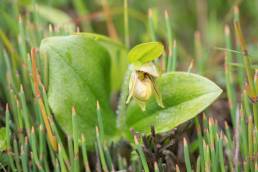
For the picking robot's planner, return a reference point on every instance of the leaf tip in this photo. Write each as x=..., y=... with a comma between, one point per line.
x=82, y=138
x=32, y=130
x=41, y=127
x=150, y=12
x=155, y=165
x=73, y=111
x=227, y=30
x=59, y=147
x=236, y=10
x=185, y=141
x=211, y=121
x=166, y=14
x=97, y=131
x=7, y=107
x=97, y=103
x=136, y=141
x=174, y=43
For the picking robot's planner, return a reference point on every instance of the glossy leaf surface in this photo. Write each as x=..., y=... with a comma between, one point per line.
x=118, y=55
x=184, y=96
x=79, y=75
x=145, y=52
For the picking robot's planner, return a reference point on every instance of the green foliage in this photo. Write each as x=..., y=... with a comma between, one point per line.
x=53, y=15
x=145, y=52
x=102, y=63
x=3, y=143
x=79, y=75
x=118, y=55
x=184, y=96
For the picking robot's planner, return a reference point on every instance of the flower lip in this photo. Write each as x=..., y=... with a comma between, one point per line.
x=142, y=85
x=150, y=69
x=143, y=89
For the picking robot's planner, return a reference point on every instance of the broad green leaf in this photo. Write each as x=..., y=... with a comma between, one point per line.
x=145, y=52
x=79, y=75
x=55, y=16
x=118, y=55
x=102, y=39
x=184, y=96
x=3, y=144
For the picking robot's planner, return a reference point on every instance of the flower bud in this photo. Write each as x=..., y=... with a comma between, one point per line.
x=143, y=89
x=142, y=85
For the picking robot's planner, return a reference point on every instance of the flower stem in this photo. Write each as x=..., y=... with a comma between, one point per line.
x=121, y=111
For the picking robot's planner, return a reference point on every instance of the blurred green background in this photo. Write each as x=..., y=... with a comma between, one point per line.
x=186, y=17
x=196, y=25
